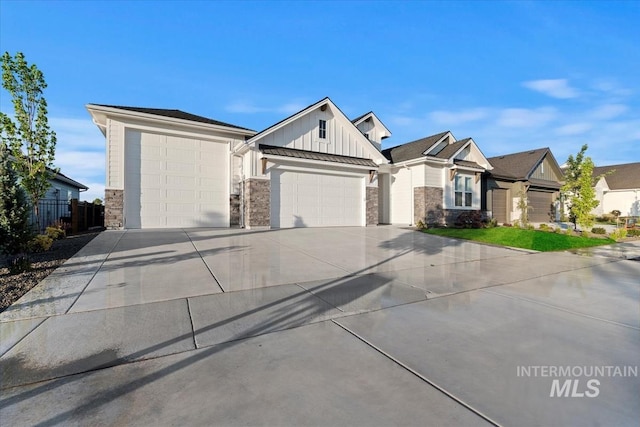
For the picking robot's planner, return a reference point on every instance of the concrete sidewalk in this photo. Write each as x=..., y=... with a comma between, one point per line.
x=371, y=326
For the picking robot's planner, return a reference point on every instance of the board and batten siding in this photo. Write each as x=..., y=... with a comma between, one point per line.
x=545, y=171
x=302, y=134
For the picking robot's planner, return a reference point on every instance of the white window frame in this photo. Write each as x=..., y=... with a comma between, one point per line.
x=466, y=190
x=322, y=129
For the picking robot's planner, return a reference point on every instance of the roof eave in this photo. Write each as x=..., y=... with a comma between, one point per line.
x=117, y=112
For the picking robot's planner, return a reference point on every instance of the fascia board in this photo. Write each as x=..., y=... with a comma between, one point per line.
x=285, y=159
x=117, y=113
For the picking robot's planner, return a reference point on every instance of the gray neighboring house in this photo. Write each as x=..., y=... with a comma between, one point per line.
x=535, y=173
x=55, y=204
x=620, y=190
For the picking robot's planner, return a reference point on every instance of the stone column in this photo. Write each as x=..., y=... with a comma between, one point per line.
x=114, y=209
x=257, y=203
x=372, y=205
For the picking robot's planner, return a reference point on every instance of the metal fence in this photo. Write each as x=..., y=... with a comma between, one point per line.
x=51, y=212
x=73, y=216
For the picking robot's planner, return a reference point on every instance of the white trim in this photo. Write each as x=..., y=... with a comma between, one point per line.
x=373, y=116
x=434, y=145
x=116, y=112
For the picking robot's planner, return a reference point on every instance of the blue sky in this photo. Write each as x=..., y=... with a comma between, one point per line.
x=512, y=75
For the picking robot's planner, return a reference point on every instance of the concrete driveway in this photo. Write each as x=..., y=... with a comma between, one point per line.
x=341, y=326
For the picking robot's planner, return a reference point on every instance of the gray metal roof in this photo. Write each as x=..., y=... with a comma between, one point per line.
x=312, y=155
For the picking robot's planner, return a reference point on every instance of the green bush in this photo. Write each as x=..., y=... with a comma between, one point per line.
x=618, y=233
x=568, y=232
x=557, y=230
x=492, y=223
x=584, y=233
x=40, y=243
x=598, y=230
x=55, y=232
x=420, y=225
x=544, y=227
x=19, y=264
x=633, y=232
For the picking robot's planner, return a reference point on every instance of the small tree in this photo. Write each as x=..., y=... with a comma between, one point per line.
x=15, y=232
x=97, y=201
x=579, y=189
x=30, y=140
x=523, y=205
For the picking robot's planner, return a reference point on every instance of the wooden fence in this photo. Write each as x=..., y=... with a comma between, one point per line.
x=75, y=216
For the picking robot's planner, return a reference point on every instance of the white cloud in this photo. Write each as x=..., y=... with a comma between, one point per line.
x=95, y=191
x=574, y=129
x=555, y=88
x=76, y=133
x=608, y=111
x=456, y=117
x=525, y=118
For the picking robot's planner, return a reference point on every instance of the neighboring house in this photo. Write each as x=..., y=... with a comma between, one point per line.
x=168, y=168
x=618, y=190
x=433, y=180
x=55, y=205
x=534, y=174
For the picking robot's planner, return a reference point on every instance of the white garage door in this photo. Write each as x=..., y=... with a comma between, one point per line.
x=175, y=182
x=401, y=200
x=315, y=200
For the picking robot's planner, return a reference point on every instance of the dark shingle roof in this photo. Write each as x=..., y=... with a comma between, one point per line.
x=451, y=149
x=312, y=155
x=361, y=116
x=625, y=176
x=62, y=177
x=176, y=114
x=517, y=165
x=411, y=150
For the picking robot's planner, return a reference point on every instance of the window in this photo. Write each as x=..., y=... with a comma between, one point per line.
x=463, y=191
x=322, y=129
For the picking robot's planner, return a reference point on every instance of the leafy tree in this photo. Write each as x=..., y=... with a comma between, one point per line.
x=523, y=206
x=15, y=231
x=97, y=201
x=579, y=189
x=30, y=140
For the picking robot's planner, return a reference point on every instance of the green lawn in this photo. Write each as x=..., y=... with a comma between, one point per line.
x=520, y=238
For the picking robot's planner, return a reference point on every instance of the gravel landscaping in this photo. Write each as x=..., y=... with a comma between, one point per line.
x=12, y=287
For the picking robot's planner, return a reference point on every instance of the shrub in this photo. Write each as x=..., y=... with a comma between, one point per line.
x=544, y=227
x=568, y=232
x=598, y=230
x=40, y=243
x=584, y=233
x=492, y=223
x=616, y=213
x=557, y=230
x=55, y=232
x=420, y=225
x=634, y=232
x=618, y=233
x=530, y=227
x=470, y=219
x=19, y=264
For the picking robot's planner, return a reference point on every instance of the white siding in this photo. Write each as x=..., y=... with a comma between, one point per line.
x=61, y=191
x=433, y=176
x=402, y=197
x=449, y=196
x=115, y=153
x=342, y=137
x=627, y=202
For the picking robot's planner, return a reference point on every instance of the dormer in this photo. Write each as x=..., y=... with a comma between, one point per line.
x=371, y=126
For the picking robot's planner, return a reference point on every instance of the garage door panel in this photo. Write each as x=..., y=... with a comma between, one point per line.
x=171, y=183
x=315, y=200
x=541, y=202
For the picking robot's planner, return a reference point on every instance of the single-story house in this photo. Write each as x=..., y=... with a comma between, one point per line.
x=64, y=188
x=168, y=168
x=619, y=189
x=534, y=174
x=433, y=180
